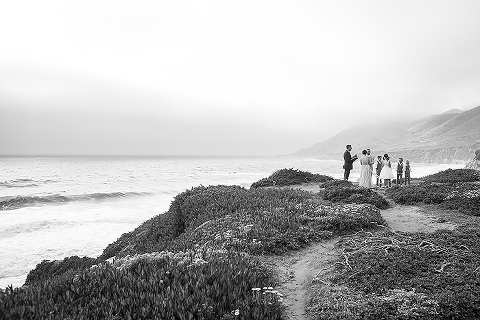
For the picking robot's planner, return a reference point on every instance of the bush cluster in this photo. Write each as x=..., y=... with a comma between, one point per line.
x=464, y=197
x=422, y=276
x=345, y=192
x=254, y=221
x=159, y=286
x=454, y=175
x=289, y=177
x=47, y=269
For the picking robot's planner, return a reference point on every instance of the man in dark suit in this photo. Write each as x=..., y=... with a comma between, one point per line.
x=348, y=165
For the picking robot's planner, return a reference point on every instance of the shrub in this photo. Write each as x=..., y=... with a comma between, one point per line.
x=354, y=194
x=150, y=236
x=288, y=177
x=159, y=286
x=254, y=221
x=454, y=175
x=48, y=269
x=464, y=197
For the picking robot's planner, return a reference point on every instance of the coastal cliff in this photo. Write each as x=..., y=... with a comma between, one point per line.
x=450, y=137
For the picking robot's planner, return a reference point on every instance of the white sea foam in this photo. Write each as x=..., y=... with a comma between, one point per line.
x=105, y=197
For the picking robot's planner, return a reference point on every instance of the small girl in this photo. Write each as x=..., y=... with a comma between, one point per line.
x=407, y=172
x=386, y=174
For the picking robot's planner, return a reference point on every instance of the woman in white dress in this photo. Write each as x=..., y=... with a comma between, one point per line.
x=386, y=174
x=365, y=172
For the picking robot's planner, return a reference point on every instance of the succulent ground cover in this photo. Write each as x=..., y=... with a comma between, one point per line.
x=195, y=261
x=185, y=285
x=344, y=192
x=288, y=177
x=260, y=220
x=464, y=197
x=402, y=276
x=454, y=175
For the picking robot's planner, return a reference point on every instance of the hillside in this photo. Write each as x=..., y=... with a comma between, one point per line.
x=452, y=136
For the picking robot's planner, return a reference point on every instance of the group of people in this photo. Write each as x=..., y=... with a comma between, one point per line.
x=383, y=170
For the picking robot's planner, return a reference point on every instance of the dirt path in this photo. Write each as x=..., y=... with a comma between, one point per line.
x=413, y=219
x=297, y=269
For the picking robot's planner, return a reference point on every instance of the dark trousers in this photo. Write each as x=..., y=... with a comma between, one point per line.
x=346, y=174
x=399, y=178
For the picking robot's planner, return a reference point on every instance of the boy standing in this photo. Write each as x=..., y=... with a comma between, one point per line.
x=399, y=171
x=407, y=172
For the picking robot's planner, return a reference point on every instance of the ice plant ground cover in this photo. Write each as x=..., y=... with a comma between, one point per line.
x=395, y=275
x=342, y=191
x=196, y=261
x=403, y=276
x=288, y=177
x=461, y=196
x=199, y=260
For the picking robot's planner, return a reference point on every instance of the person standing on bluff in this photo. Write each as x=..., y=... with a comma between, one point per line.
x=378, y=169
x=371, y=161
x=365, y=173
x=386, y=174
x=348, y=161
x=400, y=170
x=407, y=172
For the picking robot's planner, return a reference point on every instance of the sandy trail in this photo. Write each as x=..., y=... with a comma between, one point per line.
x=297, y=269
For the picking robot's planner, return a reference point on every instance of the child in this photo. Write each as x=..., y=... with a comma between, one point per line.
x=386, y=174
x=407, y=172
x=399, y=171
x=378, y=169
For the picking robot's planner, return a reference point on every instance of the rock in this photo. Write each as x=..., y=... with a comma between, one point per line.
x=475, y=162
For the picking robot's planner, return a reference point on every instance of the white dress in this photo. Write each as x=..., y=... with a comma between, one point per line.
x=386, y=172
x=365, y=173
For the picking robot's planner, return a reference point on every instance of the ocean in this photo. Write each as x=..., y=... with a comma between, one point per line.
x=56, y=207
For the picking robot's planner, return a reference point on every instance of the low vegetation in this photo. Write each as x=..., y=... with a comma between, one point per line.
x=464, y=197
x=199, y=259
x=195, y=261
x=403, y=276
x=210, y=285
x=454, y=175
x=48, y=269
x=289, y=177
x=344, y=192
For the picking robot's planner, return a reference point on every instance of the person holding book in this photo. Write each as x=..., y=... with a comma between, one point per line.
x=348, y=161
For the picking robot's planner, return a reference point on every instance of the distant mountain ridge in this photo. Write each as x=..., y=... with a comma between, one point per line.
x=452, y=136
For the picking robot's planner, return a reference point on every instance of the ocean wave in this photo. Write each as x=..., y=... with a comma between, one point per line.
x=23, y=183
x=16, y=202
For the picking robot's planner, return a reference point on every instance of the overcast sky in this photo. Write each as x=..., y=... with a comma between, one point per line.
x=225, y=77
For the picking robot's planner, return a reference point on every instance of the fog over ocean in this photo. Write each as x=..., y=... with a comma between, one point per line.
x=52, y=208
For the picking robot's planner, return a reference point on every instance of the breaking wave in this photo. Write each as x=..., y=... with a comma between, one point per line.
x=23, y=183
x=16, y=202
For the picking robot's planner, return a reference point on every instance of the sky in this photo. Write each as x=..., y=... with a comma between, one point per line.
x=226, y=77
